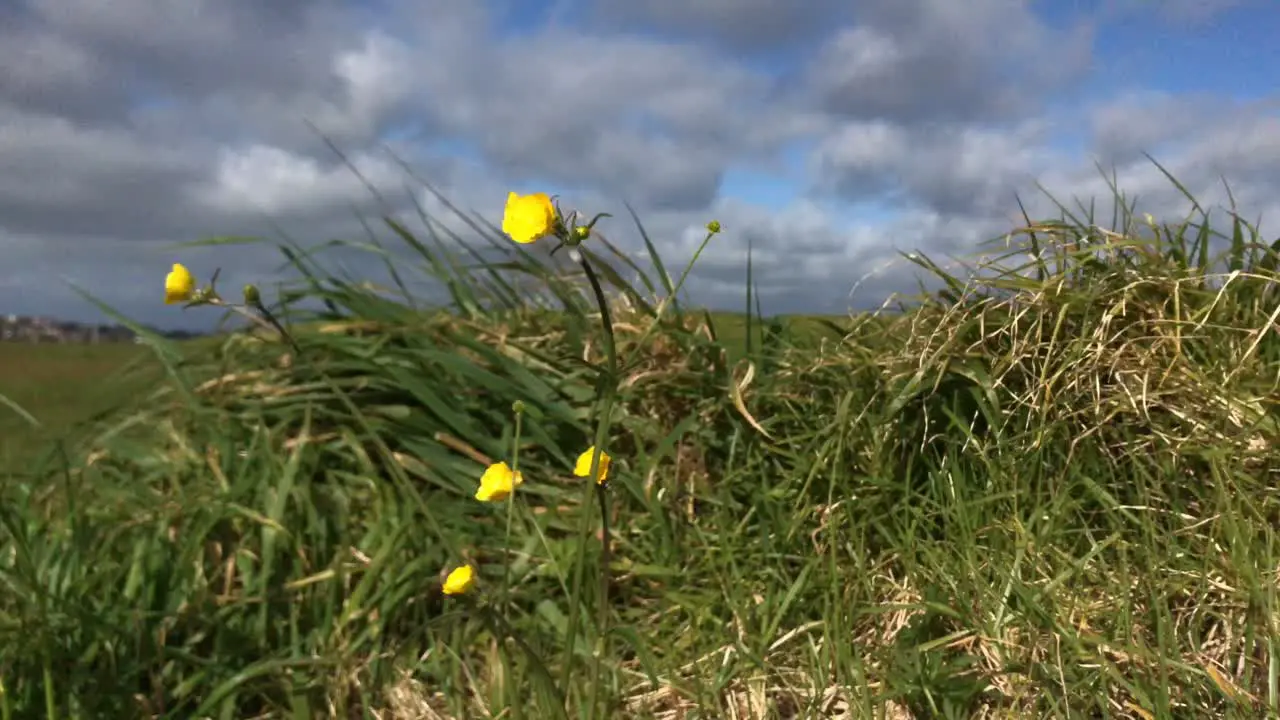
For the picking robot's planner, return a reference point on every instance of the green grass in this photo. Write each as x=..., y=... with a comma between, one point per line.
x=1047, y=493
x=62, y=387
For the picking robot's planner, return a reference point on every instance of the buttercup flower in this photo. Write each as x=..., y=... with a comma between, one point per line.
x=583, y=468
x=528, y=217
x=460, y=580
x=497, y=483
x=179, y=285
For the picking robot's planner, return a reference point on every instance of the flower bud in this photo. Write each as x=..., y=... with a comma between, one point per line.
x=252, y=297
x=713, y=227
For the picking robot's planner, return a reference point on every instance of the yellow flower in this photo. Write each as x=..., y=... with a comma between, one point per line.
x=583, y=468
x=179, y=285
x=497, y=483
x=460, y=580
x=528, y=217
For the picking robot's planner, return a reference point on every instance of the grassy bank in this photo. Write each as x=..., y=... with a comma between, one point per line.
x=1047, y=493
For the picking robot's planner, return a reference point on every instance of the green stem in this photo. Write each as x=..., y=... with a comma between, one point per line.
x=584, y=531
x=662, y=306
x=603, y=609
x=50, y=703
x=501, y=628
x=260, y=316
x=511, y=499
x=6, y=710
x=271, y=318
x=607, y=394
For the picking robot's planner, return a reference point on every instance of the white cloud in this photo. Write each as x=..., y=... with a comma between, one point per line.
x=273, y=181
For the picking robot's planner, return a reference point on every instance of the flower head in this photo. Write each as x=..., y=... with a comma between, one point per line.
x=528, y=217
x=583, y=468
x=460, y=580
x=179, y=285
x=497, y=483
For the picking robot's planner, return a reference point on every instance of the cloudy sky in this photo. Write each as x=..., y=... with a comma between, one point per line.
x=827, y=134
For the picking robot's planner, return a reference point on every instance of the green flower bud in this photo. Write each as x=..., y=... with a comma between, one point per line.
x=713, y=227
x=252, y=297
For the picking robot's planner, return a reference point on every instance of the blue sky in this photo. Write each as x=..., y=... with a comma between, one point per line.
x=1232, y=53
x=828, y=136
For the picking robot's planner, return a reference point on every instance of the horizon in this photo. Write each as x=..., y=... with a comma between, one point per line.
x=826, y=139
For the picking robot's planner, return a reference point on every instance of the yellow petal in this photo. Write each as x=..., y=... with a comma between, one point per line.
x=459, y=581
x=497, y=483
x=583, y=467
x=529, y=217
x=179, y=285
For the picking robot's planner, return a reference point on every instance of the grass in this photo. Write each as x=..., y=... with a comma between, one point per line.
x=62, y=387
x=1045, y=492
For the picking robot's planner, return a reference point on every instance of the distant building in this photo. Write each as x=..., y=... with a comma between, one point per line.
x=29, y=329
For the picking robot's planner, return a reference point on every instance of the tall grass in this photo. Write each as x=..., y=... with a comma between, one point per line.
x=1047, y=491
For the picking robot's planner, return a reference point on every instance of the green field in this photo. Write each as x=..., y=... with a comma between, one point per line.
x=1050, y=492
x=62, y=387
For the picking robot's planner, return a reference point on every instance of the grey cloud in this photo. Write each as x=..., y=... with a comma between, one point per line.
x=46, y=72
x=803, y=259
x=191, y=45
x=656, y=121
x=1238, y=142
x=939, y=60
x=231, y=69
x=954, y=169
x=63, y=179
x=742, y=25
x=83, y=158
x=961, y=182
x=1139, y=122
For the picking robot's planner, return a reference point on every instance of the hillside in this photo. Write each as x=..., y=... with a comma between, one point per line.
x=1049, y=490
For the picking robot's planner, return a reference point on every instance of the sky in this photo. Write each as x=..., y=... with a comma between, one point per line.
x=828, y=136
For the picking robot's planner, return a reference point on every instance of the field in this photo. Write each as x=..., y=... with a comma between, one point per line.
x=62, y=386
x=1049, y=491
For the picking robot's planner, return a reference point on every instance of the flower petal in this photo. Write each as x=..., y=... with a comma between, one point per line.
x=583, y=466
x=179, y=285
x=460, y=580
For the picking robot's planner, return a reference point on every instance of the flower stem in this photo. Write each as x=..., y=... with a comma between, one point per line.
x=675, y=291
x=607, y=392
x=499, y=626
x=511, y=499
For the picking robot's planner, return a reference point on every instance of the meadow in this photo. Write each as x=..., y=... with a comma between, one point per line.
x=1046, y=490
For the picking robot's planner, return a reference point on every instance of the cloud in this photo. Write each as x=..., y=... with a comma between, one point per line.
x=1206, y=143
x=656, y=121
x=954, y=169
x=128, y=126
x=741, y=25
x=913, y=61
